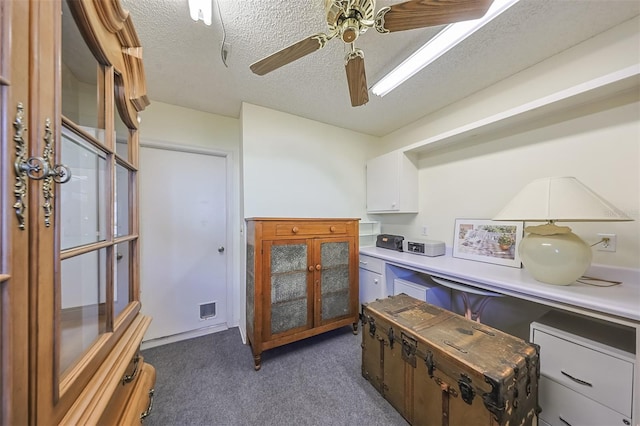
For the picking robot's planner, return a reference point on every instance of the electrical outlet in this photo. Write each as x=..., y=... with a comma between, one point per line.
x=425, y=230
x=609, y=243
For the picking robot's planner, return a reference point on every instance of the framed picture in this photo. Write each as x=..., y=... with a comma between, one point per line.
x=488, y=241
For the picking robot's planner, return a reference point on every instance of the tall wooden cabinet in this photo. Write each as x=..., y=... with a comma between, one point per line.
x=71, y=87
x=302, y=279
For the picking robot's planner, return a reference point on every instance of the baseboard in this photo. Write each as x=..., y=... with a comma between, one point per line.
x=147, y=344
x=243, y=334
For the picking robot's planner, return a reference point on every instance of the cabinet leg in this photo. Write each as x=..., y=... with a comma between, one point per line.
x=355, y=327
x=257, y=362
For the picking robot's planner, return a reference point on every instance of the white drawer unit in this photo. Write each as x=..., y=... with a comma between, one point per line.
x=562, y=406
x=424, y=289
x=372, y=264
x=587, y=369
x=372, y=283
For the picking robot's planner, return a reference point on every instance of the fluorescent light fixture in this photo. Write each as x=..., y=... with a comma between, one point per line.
x=200, y=10
x=438, y=46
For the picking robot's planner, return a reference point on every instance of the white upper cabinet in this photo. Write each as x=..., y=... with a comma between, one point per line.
x=392, y=184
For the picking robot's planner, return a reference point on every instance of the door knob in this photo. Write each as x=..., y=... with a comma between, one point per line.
x=220, y=249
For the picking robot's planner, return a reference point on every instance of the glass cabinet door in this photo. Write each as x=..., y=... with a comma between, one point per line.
x=87, y=283
x=5, y=333
x=290, y=290
x=334, y=285
x=13, y=279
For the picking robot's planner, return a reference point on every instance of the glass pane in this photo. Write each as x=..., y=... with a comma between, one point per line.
x=121, y=293
x=288, y=287
x=83, y=298
x=83, y=198
x=335, y=279
x=80, y=100
x=121, y=225
x=122, y=135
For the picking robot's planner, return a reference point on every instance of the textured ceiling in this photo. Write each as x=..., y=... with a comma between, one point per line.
x=183, y=61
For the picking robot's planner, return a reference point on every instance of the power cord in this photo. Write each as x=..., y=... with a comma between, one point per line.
x=604, y=242
x=223, y=52
x=597, y=282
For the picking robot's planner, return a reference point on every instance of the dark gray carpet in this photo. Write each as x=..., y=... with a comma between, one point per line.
x=210, y=380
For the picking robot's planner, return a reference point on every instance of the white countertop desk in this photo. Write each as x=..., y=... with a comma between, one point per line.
x=619, y=304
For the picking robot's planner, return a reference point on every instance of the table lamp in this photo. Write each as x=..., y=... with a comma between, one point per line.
x=553, y=254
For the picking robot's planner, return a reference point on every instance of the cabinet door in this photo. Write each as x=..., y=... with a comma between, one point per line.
x=14, y=232
x=334, y=279
x=392, y=184
x=371, y=286
x=383, y=183
x=288, y=287
x=85, y=299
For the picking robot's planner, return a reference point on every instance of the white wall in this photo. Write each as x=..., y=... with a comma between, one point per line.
x=178, y=126
x=608, y=52
x=295, y=167
x=601, y=149
x=598, y=143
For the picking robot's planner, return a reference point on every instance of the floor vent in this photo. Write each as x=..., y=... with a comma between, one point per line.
x=207, y=310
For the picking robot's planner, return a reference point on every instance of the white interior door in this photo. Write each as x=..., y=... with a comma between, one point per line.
x=183, y=235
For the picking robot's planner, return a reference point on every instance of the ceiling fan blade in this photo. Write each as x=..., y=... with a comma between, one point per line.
x=357, y=78
x=289, y=54
x=426, y=13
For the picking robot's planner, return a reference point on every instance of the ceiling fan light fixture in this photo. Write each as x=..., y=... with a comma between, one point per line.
x=350, y=30
x=444, y=41
x=200, y=10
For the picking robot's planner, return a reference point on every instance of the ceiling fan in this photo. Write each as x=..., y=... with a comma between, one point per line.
x=347, y=19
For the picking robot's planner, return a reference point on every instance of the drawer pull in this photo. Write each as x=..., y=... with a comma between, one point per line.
x=564, y=421
x=362, y=262
x=295, y=229
x=582, y=382
x=146, y=412
x=127, y=378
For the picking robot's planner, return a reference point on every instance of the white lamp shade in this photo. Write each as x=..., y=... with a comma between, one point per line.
x=559, y=199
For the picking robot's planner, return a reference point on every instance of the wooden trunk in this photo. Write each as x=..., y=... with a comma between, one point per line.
x=438, y=368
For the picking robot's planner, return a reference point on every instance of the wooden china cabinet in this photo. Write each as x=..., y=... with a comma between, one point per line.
x=71, y=87
x=302, y=279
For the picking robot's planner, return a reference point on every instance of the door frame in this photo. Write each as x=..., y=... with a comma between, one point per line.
x=232, y=299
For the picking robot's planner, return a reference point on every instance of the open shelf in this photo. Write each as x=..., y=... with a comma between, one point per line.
x=368, y=231
x=598, y=89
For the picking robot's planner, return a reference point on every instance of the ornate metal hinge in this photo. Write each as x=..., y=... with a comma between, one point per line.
x=372, y=326
x=466, y=388
x=57, y=173
x=409, y=349
x=430, y=363
x=20, y=185
x=37, y=168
